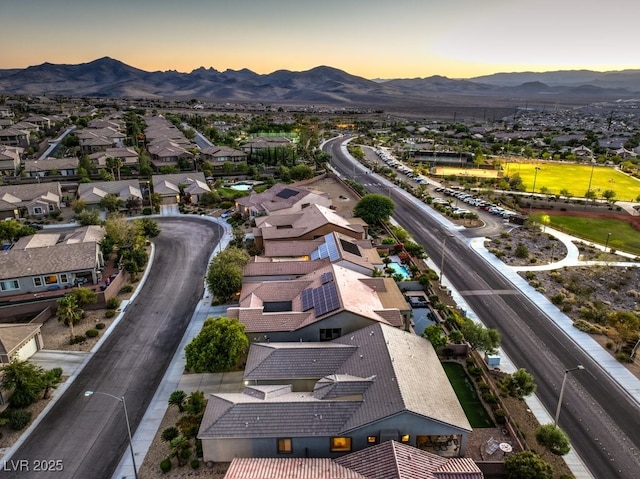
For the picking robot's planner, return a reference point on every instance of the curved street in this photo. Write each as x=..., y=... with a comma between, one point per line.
x=88, y=434
x=600, y=418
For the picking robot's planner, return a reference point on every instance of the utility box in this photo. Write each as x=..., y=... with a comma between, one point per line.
x=493, y=360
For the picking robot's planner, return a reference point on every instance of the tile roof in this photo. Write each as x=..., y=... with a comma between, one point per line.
x=36, y=241
x=170, y=184
x=47, y=260
x=288, y=468
x=13, y=335
x=95, y=191
x=29, y=192
x=281, y=196
x=394, y=460
x=49, y=164
x=280, y=268
x=389, y=371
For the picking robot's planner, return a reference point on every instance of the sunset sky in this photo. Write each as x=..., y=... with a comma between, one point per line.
x=369, y=38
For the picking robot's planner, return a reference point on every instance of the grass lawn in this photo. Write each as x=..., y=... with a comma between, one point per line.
x=465, y=390
x=575, y=179
x=623, y=236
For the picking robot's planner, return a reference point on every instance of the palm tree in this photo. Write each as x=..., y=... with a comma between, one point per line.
x=69, y=312
x=114, y=164
x=180, y=449
x=178, y=398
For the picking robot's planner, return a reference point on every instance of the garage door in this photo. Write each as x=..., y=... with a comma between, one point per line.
x=28, y=350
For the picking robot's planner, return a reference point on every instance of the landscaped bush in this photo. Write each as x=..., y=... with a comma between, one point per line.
x=100, y=326
x=147, y=211
x=127, y=288
x=169, y=433
x=18, y=419
x=500, y=415
x=165, y=465
x=109, y=313
x=92, y=333
x=195, y=464
x=77, y=339
x=113, y=303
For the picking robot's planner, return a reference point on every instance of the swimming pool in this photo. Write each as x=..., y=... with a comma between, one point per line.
x=399, y=268
x=241, y=186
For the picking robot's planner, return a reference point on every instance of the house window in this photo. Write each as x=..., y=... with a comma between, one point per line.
x=329, y=334
x=372, y=439
x=10, y=285
x=340, y=444
x=64, y=278
x=285, y=446
x=37, y=210
x=52, y=279
x=37, y=281
x=405, y=438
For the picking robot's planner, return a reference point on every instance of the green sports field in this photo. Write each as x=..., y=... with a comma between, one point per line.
x=575, y=179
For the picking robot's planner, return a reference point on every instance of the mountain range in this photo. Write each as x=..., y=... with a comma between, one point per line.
x=109, y=78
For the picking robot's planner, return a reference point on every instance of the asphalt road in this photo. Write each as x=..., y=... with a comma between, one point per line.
x=602, y=421
x=88, y=434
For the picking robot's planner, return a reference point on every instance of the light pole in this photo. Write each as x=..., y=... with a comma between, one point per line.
x=593, y=165
x=606, y=244
x=444, y=240
x=533, y=190
x=126, y=417
x=579, y=367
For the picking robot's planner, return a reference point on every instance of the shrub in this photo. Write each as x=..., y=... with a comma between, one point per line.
x=92, y=333
x=109, y=313
x=165, y=465
x=77, y=339
x=100, y=326
x=147, y=211
x=18, y=419
x=623, y=357
x=500, y=416
x=522, y=251
x=195, y=464
x=169, y=433
x=127, y=288
x=113, y=303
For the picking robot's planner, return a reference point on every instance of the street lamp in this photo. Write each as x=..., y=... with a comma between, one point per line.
x=533, y=190
x=579, y=367
x=607, y=242
x=593, y=165
x=444, y=240
x=126, y=417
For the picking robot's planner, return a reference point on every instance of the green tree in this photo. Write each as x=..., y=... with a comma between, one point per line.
x=374, y=208
x=224, y=275
x=609, y=195
x=68, y=312
x=114, y=164
x=149, y=227
x=88, y=217
x=301, y=172
x=479, y=337
x=196, y=403
x=111, y=203
x=217, y=347
x=25, y=380
x=435, y=335
x=554, y=439
x=178, y=398
x=519, y=384
x=565, y=193
x=180, y=449
x=12, y=230
x=625, y=325
x=78, y=206
x=84, y=296
x=156, y=200
x=527, y=465
x=50, y=380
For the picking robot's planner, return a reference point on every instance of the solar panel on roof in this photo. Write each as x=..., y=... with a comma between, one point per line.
x=332, y=248
x=286, y=193
x=326, y=277
x=350, y=247
x=307, y=299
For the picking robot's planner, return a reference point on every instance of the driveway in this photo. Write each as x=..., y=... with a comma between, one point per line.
x=88, y=435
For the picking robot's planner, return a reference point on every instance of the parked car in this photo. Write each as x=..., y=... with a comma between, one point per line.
x=35, y=226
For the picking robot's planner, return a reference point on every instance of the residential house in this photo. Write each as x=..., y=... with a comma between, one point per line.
x=329, y=399
x=14, y=137
x=391, y=459
x=217, y=156
x=357, y=255
x=323, y=304
x=33, y=270
x=127, y=190
x=99, y=139
x=169, y=153
x=187, y=187
x=280, y=199
x=37, y=199
x=51, y=167
x=10, y=157
x=312, y=222
x=19, y=341
x=42, y=122
x=129, y=157
x=263, y=143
